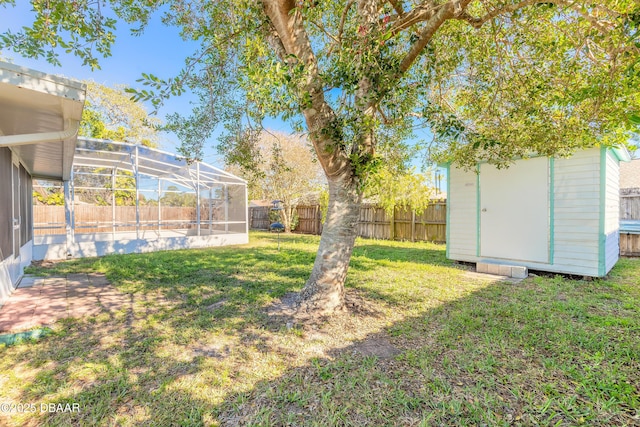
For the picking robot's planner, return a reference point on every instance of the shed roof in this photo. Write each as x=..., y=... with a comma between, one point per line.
x=39, y=119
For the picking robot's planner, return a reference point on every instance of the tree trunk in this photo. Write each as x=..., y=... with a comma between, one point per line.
x=324, y=291
x=286, y=218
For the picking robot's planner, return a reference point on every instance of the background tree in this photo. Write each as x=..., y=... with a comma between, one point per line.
x=285, y=169
x=173, y=196
x=404, y=190
x=493, y=79
x=110, y=113
x=48, y=195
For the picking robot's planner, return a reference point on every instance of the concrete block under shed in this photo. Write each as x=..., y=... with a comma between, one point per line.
x=519, y=272
x=515, y=271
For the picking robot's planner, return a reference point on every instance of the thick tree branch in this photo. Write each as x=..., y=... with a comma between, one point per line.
x=397, y=6
x=368, y=12
x=444, y=12
x=320, y=117
x=275, y=42
x=419, y=14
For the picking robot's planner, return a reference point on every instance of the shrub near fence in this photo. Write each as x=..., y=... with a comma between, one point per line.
x=374, y=222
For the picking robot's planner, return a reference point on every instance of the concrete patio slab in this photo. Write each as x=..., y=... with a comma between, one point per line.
x=41, y=301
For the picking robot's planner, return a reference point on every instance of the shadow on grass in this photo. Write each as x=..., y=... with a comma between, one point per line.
x=424, y=253
x=546, y=351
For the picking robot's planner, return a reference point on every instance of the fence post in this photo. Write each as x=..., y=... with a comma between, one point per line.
x=392, y=225
x=413, y=225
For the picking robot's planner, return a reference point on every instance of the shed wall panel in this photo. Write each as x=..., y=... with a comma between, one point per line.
x=577, y=196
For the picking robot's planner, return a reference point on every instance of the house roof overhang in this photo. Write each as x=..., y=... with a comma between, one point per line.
x=39, y=119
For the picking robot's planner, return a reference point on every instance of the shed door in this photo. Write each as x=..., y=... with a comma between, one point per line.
x=514, y=211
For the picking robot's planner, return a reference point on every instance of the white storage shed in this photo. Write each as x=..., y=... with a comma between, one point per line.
x=551, y=214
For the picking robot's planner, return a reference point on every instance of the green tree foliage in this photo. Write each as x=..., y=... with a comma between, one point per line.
x=48, y=195
x=174, y=197
x=125, y=194
x=110, y=113
x=404, y=190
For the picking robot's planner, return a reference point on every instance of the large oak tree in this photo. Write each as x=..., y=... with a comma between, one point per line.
x=493, y=79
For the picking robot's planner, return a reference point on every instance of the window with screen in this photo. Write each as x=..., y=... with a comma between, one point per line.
x=6, y=204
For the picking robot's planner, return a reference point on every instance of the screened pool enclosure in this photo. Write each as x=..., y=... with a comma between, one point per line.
x=125, y=198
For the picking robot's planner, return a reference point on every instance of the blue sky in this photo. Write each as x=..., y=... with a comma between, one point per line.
x=159, y=50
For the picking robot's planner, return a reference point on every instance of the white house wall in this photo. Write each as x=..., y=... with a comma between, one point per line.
x=11, y=270
x=6, y=284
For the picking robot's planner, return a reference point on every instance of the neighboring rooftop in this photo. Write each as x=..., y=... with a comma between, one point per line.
x=630, y=174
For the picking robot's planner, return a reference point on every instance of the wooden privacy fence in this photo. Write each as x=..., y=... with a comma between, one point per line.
x=99, y=219
x=373, y=223
x=630, y=210
x=259, y=217
x=629, y=244
x=309, y=220
x=630, y=203
x=404, y=224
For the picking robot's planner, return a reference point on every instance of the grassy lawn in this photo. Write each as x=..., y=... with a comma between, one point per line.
x=194, y=346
